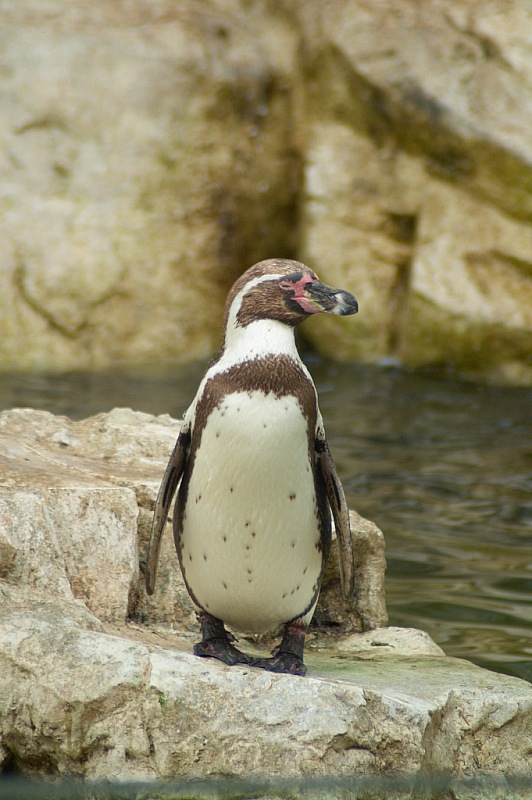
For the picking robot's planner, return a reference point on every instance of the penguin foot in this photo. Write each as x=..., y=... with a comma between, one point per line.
x=223, y=650
x=288, y=655
x=216, y=642
x=282, y=662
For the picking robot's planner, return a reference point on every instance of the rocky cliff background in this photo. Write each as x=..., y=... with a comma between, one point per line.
x=153, y=149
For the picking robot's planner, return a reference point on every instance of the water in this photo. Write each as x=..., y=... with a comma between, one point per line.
x=443, y=466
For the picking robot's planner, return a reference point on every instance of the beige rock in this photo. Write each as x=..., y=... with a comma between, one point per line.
x=147, y=158
x=152, y=152
x=368, y=609
x=434, y=81
x=74, y=542
x=470, y=289
x=441, y=278
x=122, y=447
x=392, y=641
x=21, y=599
x=358, y=230
x=83, y=693
x=8, y=554
x=100, y=704
x=417, y=177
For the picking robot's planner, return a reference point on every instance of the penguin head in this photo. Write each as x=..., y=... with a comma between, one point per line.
x=286, y=291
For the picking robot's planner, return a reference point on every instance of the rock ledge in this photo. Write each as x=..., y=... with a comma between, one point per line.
x=88, y=692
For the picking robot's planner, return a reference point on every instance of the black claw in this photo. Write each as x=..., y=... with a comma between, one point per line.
x=223, y=650
x=281, y=662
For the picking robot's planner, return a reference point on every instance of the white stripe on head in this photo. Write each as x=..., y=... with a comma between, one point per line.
x=237, y=300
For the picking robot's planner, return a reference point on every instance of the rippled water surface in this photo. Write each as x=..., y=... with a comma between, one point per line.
x=444, y=467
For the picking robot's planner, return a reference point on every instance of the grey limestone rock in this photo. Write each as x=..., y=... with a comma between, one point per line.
x=87, y=692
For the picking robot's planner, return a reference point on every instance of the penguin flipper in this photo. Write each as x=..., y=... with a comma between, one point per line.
x=340, y=511
x=169, y=484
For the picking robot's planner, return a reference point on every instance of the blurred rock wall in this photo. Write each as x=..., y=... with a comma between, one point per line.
x=153, y=149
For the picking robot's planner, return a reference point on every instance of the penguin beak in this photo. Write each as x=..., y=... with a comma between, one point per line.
x=332, y=301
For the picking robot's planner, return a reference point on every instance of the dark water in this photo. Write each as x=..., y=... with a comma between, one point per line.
x=444, y=467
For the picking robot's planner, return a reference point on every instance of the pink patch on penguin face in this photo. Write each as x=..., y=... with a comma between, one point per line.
x=298, y=289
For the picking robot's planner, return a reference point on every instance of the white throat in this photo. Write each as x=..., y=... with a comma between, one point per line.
x=260, y=338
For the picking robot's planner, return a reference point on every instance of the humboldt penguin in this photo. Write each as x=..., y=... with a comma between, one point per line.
x=256, y=482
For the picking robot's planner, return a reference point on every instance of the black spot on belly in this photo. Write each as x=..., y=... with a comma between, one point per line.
x=292, y=496
x=224, y=537
x=231, y=489
x=292, y=543
x=189, y=557
x=224, y=584
x=205, y=556
x=253, y=534
x=305, y=571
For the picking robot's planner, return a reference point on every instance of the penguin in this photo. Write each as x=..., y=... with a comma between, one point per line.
x=256, y=484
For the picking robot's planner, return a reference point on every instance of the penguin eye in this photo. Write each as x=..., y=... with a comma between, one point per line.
x=290, y=280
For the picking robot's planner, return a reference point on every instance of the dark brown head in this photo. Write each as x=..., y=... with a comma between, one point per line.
x=283, y=290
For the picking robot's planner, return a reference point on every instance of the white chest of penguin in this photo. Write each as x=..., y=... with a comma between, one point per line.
x=250, y=541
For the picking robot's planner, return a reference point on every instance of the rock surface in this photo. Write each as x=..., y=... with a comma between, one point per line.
x=88, y=691
x=142, y=145
x=418, y=175
x=79, y=701
x=153, y=151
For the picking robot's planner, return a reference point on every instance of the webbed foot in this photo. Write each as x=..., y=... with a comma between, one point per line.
x=287, y=656
x=216, y=642
x=282, y=662
x=223, y=650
